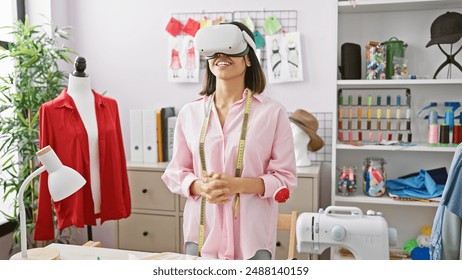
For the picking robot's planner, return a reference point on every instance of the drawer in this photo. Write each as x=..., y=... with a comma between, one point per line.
x=302, y=199
x=148, y=191
x=151, y=233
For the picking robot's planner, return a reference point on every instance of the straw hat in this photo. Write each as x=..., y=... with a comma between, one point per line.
x=308, y=123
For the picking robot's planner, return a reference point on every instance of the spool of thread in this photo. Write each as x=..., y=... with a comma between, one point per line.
x=409, y=137
x=370, y=136
x=400, y=137
x=449, y=119
x=379, y=113
x=360, y=136
x=360, y=100
x=444, y=134
x=433, y=117
x=408, y=114
x=368, y=124
x=359, y=124
x=433, y=134
x=388, y=100
x=379, y=137
x=350, y=113
x=390, y=136
x=340, y=136
x=340, y=99
x=398, y=100
x=457, y=134
x=379, y=100
x=340, y=124
x=350, y=136
x=350, y=100
x=379, y=125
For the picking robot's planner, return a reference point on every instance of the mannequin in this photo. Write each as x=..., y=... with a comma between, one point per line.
x=79, y=89
x=83, y=127
x=301, y=139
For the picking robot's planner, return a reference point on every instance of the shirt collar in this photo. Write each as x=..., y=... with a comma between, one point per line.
x=244, y=96
x=64, y=100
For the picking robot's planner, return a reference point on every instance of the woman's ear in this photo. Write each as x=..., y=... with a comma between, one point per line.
x=247, y=61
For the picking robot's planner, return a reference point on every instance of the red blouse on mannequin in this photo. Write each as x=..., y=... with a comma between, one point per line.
x=62, y=128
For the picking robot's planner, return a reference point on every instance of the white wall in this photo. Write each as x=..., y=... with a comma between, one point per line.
x=125, y=45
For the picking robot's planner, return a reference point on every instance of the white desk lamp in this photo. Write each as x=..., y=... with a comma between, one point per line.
x=63, y=181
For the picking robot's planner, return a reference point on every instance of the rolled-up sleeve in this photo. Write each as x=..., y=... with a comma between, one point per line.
x=179, y=174
x=281, y=170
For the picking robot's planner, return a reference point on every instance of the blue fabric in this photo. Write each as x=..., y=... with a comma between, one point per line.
x=450, y=199
x=420, y=186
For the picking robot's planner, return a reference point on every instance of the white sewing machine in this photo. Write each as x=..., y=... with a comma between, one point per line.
x=365, y=236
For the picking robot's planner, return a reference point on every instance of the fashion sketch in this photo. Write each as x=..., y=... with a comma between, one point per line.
x=183, y=60
x=175, y=63
x=190, y=60
x=276, y=59
x=283, y=53
x=292, y=56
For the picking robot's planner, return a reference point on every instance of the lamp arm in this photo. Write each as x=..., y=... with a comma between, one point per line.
x=22, y=210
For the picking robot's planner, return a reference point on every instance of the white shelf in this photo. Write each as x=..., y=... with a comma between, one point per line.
x=383, y=200
x=418, y=148
x=394, y=83
x=372, y=6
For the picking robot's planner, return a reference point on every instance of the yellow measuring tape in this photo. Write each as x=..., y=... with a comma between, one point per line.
x=239, y=161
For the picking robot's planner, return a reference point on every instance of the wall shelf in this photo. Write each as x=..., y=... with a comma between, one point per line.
x=374, y=6
x=421, y=147
x=392, y=83
x=383, y=200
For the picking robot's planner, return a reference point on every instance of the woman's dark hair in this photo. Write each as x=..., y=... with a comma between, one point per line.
x=254, y=76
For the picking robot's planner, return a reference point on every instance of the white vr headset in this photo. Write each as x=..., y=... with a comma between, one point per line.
x=223, y=38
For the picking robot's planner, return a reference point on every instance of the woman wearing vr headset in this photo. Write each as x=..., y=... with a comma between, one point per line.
x=233, y=153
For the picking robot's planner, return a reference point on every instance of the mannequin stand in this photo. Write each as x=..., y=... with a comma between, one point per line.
x=450, y=59
x=89, y=233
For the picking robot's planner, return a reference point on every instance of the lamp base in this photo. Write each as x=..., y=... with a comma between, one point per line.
x=38, y=254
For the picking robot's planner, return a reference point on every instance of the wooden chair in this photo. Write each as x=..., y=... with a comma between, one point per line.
x=288, y=222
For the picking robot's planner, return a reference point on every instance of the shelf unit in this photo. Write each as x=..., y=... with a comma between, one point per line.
x=410, y=21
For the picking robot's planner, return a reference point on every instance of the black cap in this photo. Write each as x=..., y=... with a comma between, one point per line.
x=446, y=29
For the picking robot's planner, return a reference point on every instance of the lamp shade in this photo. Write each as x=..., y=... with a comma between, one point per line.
x=63, y=181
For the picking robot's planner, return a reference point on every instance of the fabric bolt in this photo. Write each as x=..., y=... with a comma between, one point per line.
x=450, y=201
x=62, y=128
x=268, y=128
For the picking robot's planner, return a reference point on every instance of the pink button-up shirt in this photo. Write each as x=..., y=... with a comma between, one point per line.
x=269, y=155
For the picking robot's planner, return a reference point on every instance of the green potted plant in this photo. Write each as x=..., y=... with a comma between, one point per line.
x=34, y=79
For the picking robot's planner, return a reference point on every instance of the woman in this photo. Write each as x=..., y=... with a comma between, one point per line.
x=231, y=210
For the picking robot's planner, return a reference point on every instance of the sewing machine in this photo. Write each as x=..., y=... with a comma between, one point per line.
x=365, y=236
